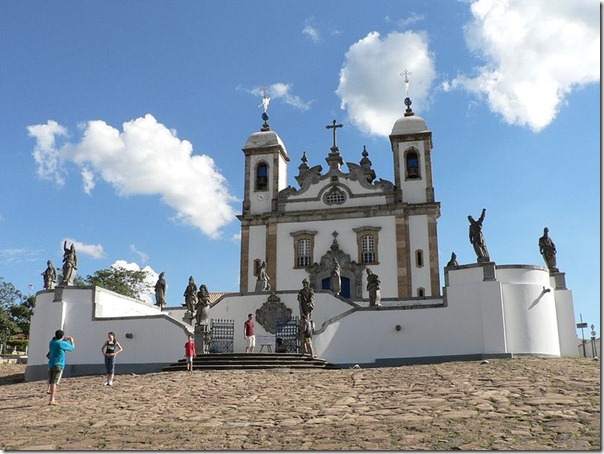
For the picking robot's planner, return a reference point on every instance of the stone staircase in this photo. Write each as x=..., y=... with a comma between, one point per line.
x=233, y=361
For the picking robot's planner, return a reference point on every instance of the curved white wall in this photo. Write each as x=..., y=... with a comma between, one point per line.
x=530, y=312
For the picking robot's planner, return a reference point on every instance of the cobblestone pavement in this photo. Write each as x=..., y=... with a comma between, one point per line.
x=518, y=404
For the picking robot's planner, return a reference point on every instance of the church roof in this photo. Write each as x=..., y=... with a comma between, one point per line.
x=409, y=125
x=262, y=139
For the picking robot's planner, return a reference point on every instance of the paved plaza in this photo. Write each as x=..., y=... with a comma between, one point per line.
x=518, y=404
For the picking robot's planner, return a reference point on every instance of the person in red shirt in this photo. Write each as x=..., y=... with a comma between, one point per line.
x=248, y=334
x=190, y=353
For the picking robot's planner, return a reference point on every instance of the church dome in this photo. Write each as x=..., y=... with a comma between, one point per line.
x=409, y=125
x=264, y=139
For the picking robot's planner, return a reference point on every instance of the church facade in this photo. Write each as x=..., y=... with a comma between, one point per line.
x=342, y=213
x=342, y=219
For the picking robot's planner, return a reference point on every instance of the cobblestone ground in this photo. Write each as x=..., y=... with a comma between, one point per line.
x=516, y=404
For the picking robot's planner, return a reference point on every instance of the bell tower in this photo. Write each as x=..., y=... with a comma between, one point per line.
x=265, y=168
x=417, y=241
x=265, y=175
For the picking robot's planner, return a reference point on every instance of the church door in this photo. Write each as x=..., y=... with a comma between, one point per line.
x=344, y=286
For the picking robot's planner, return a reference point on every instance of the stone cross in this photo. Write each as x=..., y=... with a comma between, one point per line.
x=334, y=126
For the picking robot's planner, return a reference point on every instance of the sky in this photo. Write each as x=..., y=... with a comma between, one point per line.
x=122, y=123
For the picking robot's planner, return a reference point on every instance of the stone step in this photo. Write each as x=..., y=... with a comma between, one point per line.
x=251, y=361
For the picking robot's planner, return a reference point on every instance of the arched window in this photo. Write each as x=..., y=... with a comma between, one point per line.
x=419, y=258
x=412, y=164
x=261, y=177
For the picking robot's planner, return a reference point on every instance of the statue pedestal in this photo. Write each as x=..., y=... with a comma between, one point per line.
x=488, y=271
x=201, y=339
x=560, y=280
x=188, y=318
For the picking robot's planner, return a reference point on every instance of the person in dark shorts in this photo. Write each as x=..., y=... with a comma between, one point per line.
x=110, y=349
x=56, y=361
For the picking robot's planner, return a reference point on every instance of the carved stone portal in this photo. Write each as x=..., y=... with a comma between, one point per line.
x=271, y=311
x=348, y=269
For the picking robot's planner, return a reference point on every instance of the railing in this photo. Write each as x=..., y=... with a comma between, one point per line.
x=223, y=333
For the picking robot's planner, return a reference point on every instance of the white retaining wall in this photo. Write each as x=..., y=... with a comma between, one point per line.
x=511, y=312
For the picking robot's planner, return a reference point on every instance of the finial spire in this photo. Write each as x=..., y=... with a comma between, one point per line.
x=265, y=102
x=408, y=111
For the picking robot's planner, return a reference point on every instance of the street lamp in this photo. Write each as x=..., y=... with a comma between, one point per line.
x=582, y=325
x=594, y=350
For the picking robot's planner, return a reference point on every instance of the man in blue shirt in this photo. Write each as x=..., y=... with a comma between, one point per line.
x=56, y=361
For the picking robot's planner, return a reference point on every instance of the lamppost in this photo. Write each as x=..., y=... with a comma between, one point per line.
x=594, y=350
x=582, y=325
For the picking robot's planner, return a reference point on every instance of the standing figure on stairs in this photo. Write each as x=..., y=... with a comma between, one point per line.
x=262, y=283
x=160, y=291
x=306, y=298
x=191, y=297
x=190, y=352
x=335, y=281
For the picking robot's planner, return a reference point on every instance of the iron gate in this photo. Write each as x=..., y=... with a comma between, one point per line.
x=222, y=332
x=287, y=329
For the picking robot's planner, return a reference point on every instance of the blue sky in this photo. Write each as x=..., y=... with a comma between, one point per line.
x=122, y=124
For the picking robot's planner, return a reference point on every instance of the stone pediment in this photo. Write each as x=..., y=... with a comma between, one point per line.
x=360, y=179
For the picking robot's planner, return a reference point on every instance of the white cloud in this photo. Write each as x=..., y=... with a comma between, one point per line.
x=535, y=53
x=18, y=255
x=282, y=92
x=146, y=158
x=371, y=88
x=312, y=33
x=93, y=250
x=406, y=21
x=143, y=256
x=46, y=153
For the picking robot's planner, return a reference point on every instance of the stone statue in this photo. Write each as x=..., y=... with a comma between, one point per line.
x=477, y=238
x=335, y=281
x=160, y=291
x=262, y=284
x=373, y=287
x=306, y=299
x=547, y=248
x=203, y=306
x=453, y=261
x=50, y=276
x=70, y=264
x=191, y=296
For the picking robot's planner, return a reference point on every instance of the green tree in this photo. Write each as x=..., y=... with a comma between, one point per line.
x=120, y=280
x=21, y=313
x=9, y=297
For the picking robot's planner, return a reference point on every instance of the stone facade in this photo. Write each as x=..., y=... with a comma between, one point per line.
x=370, y=215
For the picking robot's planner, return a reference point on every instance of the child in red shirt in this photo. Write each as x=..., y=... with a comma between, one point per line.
x=190, y=353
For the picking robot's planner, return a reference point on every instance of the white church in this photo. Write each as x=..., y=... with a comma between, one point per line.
x=340, y=212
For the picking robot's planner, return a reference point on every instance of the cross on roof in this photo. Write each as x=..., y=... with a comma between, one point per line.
x=334, y=126
x=406, y=75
